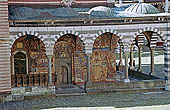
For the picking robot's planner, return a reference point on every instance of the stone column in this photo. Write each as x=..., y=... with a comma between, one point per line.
x=49, y=70
x=152, y=62
x=126, y=54
x=120, y=55
x=139, y=56
x=88, y=51
x=89, y=41
x=49, y=53
x=88, y=67
x=131, y=57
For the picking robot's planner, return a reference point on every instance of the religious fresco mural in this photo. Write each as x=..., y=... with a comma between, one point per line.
x=35, y=52
x=69, y=50
x=63, y=50
x=80, y=67
x=80, y=62
x=103, y=59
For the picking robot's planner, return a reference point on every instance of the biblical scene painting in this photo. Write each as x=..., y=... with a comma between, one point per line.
x=103, y=59
x=28, y=56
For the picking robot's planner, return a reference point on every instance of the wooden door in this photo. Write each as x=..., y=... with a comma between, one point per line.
x=64, y=75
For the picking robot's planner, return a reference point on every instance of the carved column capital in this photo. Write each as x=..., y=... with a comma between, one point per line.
x=49, y=50
x=88, y=48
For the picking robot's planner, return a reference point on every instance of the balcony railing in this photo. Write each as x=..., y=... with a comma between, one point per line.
x=22, y=80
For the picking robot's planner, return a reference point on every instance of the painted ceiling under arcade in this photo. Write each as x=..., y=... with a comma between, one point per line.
x=52, y=13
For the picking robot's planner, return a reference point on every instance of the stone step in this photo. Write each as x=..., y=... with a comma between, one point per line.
x=69, y=89
x=71, y=94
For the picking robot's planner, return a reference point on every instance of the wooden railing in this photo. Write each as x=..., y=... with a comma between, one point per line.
x=22, y=80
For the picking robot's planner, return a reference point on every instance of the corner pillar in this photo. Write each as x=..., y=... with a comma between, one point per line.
x=167, y=60
x=167, y=65
x=5, y=67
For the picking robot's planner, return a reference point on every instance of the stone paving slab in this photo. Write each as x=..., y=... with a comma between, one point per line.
x=158, y=107
x=137, y=100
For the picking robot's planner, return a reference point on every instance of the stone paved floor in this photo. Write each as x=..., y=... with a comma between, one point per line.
x=115, y=100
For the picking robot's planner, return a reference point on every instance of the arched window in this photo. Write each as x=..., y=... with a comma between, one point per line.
x=20, y=63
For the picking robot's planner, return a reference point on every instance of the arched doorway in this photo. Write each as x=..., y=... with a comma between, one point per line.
x=63, y=62
x=20, y=63
x=70, y=60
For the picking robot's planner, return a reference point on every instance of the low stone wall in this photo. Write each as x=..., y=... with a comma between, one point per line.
x=141, y=76
x=121, y=86
x=19, y=92
x=5, y=97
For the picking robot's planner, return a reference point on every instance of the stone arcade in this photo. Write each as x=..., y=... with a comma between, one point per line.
x=73, y=42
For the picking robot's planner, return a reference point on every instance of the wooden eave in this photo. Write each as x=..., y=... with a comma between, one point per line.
x=85, y=22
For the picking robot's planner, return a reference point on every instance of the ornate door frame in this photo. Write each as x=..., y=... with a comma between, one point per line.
x=59, y=64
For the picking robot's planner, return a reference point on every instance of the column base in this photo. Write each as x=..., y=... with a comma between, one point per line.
x=167, y=87
x=139, y=70
x=132, y=67
x=126, y=81
x=51, y=89
x=120, y=64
